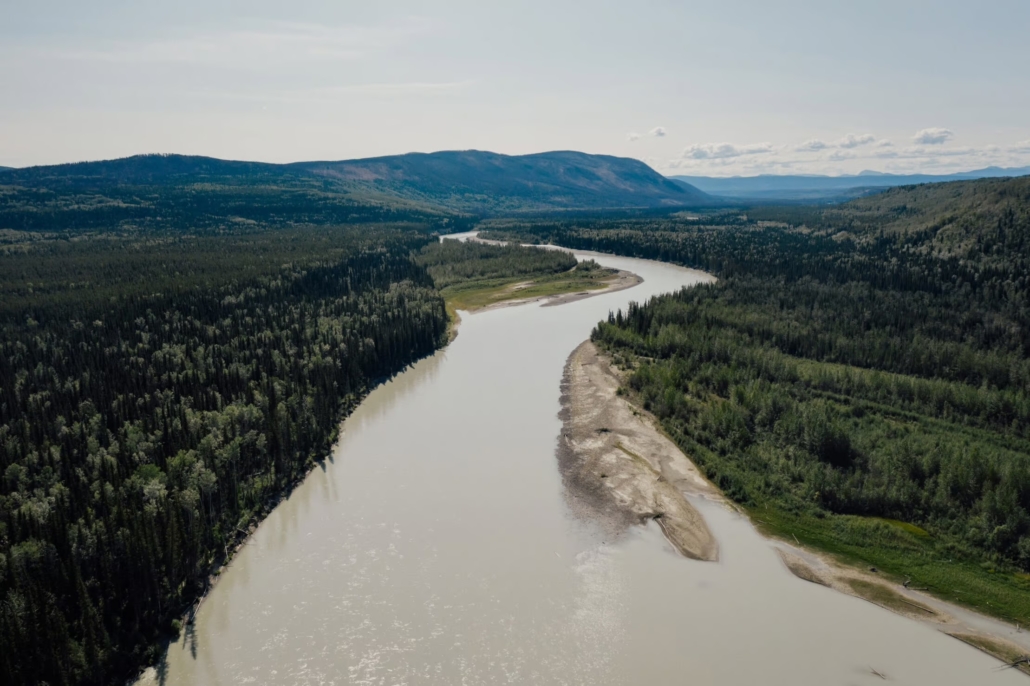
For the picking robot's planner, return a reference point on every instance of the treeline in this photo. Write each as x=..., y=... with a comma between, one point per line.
x=170, y=195
x=775, y=423
x=155, y=398
x=868, y=360
x=452, y=262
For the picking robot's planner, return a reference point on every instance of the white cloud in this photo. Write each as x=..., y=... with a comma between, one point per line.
x=811, y=146
x=848, y=155
x=932, y=136
x=632, y=136
x=657, y=132
x=722, y=151
x=854, y=141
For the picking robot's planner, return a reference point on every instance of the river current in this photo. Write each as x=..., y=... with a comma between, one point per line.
x=436, y=546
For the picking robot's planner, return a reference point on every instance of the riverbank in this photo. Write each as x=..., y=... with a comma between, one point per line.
x=620, y=469
x=549, y=292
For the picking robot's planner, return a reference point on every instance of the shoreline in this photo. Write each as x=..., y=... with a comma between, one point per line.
x=588, y=464
x=619, y=468
x=621, y=280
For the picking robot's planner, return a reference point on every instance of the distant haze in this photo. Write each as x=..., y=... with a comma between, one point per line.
x=704, y=89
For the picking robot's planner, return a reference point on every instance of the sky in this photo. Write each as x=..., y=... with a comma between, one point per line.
x=706, y=88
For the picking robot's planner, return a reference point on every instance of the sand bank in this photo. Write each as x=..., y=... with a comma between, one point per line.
x=618, y=467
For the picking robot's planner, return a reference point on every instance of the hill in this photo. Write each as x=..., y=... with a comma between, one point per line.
x=173, y=191
x=479, y=181
x=828, y=188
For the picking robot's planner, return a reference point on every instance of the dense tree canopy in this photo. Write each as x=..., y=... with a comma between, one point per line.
x=149, y=416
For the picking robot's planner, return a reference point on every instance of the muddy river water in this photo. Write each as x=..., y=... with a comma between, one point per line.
x=436, y=546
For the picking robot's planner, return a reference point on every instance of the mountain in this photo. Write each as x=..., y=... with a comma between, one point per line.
x=828, y=188
x=473, y=180
x=469, y=181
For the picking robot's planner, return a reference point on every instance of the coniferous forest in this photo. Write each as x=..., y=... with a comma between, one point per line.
x=147, y=418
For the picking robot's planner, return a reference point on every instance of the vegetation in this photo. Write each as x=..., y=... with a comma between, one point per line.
x=471, y=275
x=155, y=398
x=162, y=195
x=175, y=356
x=859, y=378
x=181, y=337
x=442, y=186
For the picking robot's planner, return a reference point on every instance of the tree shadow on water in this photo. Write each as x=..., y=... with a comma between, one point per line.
x=190, y=638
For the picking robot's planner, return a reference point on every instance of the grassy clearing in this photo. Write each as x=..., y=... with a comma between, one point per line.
x=477, y=294
x=473, y=275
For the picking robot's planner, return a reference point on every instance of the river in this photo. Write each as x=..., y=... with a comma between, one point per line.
x=436, y=546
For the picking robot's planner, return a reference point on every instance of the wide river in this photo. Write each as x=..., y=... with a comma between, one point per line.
x=436, y=546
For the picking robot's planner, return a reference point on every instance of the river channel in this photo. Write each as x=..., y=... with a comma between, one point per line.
x=437, y=546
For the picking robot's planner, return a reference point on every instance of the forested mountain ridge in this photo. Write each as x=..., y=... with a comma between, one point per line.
x=489, y=182
x=445, y=184
x=173, y=194
x=859, y=376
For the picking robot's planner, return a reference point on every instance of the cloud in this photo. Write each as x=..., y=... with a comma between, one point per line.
x=632, y=136
x=932, y=136
x=853, y=141
x=848, y=155
x=657, y=132
x=838, y=155
x=811, y=146
x=848, y=142
x=722, y=151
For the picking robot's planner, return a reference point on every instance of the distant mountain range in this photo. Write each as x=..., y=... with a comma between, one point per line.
x=827, y=188
x=469, y=181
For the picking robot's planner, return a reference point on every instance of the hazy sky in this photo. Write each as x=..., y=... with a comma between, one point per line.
x=689, y=87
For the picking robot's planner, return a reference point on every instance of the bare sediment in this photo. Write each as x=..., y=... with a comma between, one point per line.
x=618, y=467
x=994, y=637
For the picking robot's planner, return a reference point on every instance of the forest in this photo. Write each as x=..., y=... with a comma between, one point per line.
x=146, y=423
x=166, y=377
x=181, y=338
x=859, y=377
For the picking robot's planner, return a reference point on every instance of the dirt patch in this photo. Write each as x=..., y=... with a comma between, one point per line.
x=618, y=468
x=800, y=568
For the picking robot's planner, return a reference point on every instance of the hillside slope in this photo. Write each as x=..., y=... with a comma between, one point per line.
x=136, y=192
x=485, y=181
